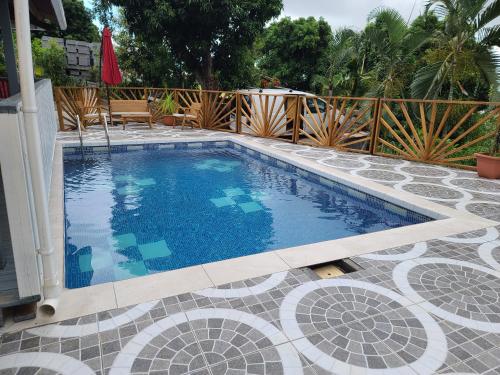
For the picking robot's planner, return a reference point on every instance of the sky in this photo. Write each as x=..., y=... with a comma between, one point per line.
x=353, y=13
x=341, y=13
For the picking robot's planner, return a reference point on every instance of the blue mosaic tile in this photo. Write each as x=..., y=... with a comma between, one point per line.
x=250, y=207
x=129, y=190
x=123, y=241
x=145, y=182
x=95, y=261
x=223, y=202
x=128, y=270
x=154, y=250
x=231, y=192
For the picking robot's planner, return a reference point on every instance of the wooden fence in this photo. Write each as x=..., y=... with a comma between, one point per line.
x=430, y=131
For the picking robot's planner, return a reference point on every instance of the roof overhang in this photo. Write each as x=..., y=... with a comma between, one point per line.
x=44, y=12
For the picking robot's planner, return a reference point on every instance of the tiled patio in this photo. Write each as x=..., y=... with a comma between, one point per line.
x=430, y=307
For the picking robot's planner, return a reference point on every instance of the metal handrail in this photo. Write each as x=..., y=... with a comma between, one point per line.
x=106, y=132
x=80, y=134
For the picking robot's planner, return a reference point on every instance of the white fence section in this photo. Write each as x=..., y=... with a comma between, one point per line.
x=47, y=122
x=17, y=186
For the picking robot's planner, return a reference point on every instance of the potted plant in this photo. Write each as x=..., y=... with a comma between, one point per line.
x=488, y=165
x=168, y=107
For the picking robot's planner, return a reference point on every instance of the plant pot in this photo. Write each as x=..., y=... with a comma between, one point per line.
x=168, y=120
x=488, y=166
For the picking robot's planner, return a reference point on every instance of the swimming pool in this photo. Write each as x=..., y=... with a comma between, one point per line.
x=149, y=208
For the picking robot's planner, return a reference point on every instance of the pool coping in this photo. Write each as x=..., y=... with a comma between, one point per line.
x=106, y=296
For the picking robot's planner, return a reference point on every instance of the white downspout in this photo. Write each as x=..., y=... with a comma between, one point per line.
x=51, y=287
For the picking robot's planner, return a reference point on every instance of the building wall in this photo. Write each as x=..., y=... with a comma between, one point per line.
x=81, y=57
x=7, y=271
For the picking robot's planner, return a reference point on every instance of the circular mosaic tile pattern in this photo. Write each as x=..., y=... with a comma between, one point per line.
x=43, y=363
x=187, y=342
x=174, y=351
x=381, y=160
x=348, y=325
x=268, y=283
x=490, y=253
x=82, y=327
x=476, y=185
x=425, y=171
x=484, y=235
x=288, y=147
x=461, y=292
x=380, y=175
x=343, y=163
x=432, y=191
x=414, y=251
x=313, y=154
x=484, y=209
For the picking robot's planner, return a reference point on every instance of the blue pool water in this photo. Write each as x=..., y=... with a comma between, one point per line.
x=133, y=213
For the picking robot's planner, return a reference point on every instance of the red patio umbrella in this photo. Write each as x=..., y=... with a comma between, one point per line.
x=110, y=71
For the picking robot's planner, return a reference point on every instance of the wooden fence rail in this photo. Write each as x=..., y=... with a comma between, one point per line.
x=432, y=131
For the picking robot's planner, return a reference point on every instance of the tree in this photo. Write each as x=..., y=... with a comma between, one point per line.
x=390, y=54
x=80, y=24
x=346, y=64
x=50, y=62
x=295, y=51
x=143, y=62
x=209, y=38
x=461, y=58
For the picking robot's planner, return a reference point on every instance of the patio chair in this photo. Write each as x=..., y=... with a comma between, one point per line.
x=191, y=115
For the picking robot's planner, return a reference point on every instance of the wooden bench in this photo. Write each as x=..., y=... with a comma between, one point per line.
x=137, y=110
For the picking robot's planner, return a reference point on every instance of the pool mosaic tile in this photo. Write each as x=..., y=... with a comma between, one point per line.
x=129, y=190
x=231, y=192
x=123, y=241
x=223, y=202
x=127, y=270
x=250, y=207
x=154, y=250
x=145, y=182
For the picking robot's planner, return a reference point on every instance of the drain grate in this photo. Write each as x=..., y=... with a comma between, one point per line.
x=335, y=269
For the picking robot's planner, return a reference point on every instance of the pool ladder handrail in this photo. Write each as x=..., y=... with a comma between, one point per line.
x=80, y=134
x=106, y=132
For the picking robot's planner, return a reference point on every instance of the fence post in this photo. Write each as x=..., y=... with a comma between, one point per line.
x=376, y=126
x=238, y=113
x=205, y=106
x=59, y=108
x=176, y=99
x=296, y=121
x=333, y=120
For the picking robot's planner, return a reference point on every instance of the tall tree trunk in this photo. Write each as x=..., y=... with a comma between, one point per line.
x=207, y=78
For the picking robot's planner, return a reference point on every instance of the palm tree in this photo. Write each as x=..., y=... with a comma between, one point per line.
x=342, y=76
x=464, y=43
x=391, y=52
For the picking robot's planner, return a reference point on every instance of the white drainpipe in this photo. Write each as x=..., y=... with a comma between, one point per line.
x=51, y=286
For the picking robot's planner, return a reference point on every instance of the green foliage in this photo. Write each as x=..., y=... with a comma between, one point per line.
x=460, y=62
x=79, y=20
x=209, y=39
x=168, y=106
x=50, y=62
x=144, y=62
x=295, y=51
